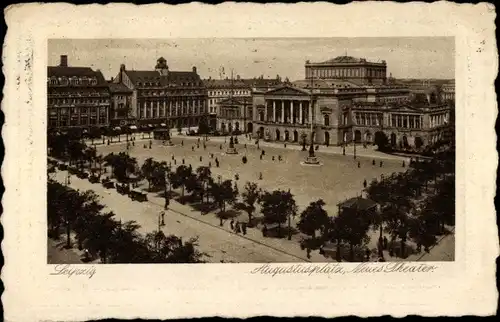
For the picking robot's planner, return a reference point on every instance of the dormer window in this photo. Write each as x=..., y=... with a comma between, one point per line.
x=63, y=81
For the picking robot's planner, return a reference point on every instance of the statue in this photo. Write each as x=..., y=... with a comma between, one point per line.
x=231, y=149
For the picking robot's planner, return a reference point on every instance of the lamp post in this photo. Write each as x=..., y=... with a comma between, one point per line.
x=311, y=159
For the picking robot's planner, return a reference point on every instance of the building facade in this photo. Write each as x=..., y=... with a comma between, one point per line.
x=235, y=115
x=121, y=106
x=221, y=89
x=358, y=70
x=77, y=97
x=337, y=112
x=161, y=97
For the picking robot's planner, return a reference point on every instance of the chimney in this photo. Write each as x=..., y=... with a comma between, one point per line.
x=194, y=69
x=64, y=61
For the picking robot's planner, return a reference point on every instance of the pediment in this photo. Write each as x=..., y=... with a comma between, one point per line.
x=287, y=90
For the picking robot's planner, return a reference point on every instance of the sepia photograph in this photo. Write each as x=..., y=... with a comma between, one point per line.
x=250, y=150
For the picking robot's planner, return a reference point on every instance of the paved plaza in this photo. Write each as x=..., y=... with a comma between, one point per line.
x=338, y=179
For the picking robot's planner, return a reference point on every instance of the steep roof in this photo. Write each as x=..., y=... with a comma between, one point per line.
x=358, y=203
x=152, y=76
x=118, y=88
x=66, y=71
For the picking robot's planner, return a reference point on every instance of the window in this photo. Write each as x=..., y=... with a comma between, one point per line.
x=326, y=119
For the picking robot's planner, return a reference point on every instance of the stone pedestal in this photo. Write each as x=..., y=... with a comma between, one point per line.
x=312, y=160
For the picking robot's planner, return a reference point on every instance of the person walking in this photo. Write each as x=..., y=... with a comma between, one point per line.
x=364, y=183
x=231, y=224
x=359, y=164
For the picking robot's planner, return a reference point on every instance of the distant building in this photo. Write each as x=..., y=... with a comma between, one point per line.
x=344, y=111
x=358, y=70
x=77, y=97
x=162, y=97
x=121, y=105
x=230, y=101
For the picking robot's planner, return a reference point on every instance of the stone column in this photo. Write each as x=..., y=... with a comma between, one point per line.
x=274, y=111
x=144, y=109
x=300, y=113
x=291, y=112
x=282, y=111
x=265, y=111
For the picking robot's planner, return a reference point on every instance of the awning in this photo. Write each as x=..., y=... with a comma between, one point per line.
x=133, y=127
x=163, y=124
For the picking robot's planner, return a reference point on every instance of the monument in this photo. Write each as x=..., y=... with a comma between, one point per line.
x=231, y=149
x=311, y=158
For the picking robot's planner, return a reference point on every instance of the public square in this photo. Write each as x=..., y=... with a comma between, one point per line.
x=337, y=179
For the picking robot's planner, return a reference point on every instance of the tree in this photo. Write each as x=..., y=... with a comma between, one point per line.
x=103, y=228
x=147, y=169
x=121, y=165
x=182, y=174
x=171, y=249
x=250, y=197
x=382, y=141
x=277, y=207
x=204, y=174
x=203, y=127
x=353, y=228
x=313, y=218
x=223, y=193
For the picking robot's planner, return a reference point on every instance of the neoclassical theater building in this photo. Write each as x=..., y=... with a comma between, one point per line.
x=346, y=100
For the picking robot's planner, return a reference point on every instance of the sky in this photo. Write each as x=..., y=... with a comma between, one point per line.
x=416, y=57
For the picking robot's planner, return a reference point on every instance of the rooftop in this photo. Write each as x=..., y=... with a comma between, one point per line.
x=66, y=71
x=346, y=60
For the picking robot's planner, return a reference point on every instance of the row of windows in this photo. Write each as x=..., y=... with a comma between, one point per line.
x=76, y=101
x=369, y=119
x=346, y=72
x=158, y=84
x=438, y=120
x=54, y=122
x=75, y=81
x=163, y=93
x=78, y=110
x=145, y=113
x=227, y=93
x=406, y=121
x=196, y=103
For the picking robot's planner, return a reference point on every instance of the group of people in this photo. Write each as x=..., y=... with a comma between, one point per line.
x=238, y=227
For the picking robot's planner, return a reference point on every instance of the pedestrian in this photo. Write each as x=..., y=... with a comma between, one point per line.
x=192, y=148
x=403, y=164
x=220, y=147
x=133, y=143
x=279, y=157
x=317, y=147
x=260, y=175
x=204, y=146
x=359, y=164
x=244, y=228
x=231, y=224
x=245, y=145
x=263, y=152
x=216, y=160
x=364, y=184
x=173, y=157
x=273, y=158
x=373, y=162
x=198, y=140
x=183, y=162
x=284, y=145
x=260, y=156
x=198, y=146
x=108, y=142
x=381, y=163
x=386, y=242
x=201, y=158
